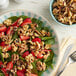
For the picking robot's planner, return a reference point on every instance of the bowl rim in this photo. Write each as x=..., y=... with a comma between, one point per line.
x=51, y=3
x=57, y=64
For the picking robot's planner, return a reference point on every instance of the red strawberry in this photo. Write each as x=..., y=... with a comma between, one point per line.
x=25, y=54
x=9, y=30
x=20, y=73
x=33, y=53
x=4, y=71
x=39, y=56
x=24, y=38
x=26, y=21
x=1, y=63
x=16, y=23
x=9, y=47
x=2, y=44
x=36, y=39
x=9, y=66
x=3, y=28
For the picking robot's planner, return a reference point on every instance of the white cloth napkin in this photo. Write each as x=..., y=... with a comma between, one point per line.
x=71, y=69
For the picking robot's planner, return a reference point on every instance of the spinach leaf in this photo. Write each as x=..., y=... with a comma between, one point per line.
x=40, y=73
x=40, y=23
x=13, y=18
x=21, y=58
x=1, y=74
x=46, y=38
x=51, y=41
x=15, y=35
x=49, y=60
x=34, y=70
x=1, y=54
x=24, y=17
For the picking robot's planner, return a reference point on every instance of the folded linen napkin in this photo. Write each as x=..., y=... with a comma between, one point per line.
x=70, y=70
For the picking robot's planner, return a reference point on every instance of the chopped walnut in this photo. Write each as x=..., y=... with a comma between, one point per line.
x=8, y=22
x=14, y=47
x=22, y=48
x=15, y=57
x=5, y=55
x=17, y=42
x=7, y=39
x=47, y=46
x=20, y=21
x=29, y=58
x=63, y=11
x=25, y=27
x=21, y=32
x=41, y=66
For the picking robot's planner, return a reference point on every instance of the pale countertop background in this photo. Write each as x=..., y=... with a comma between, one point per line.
x=42, y=7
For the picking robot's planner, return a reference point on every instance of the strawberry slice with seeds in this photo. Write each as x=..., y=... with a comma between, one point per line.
x=20, y=73
x=26, y=21
x=2, y=44
x=3, y=28
x=4, y=71
x=9, y=30
x=36, y=40
x=16, y=23
x=24, y=38
x=25, y=54
x=1, y=63
x=9, y=66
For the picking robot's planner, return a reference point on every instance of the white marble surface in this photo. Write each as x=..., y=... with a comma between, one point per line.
x=42, y=7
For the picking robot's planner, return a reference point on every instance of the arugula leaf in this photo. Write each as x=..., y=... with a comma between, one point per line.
x=1, y=54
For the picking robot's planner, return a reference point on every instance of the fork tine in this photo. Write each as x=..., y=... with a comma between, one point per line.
x=73, y=56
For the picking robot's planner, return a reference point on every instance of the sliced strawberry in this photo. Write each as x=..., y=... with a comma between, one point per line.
x=9, y=47
x=23, y=70
x=33, y=74
x=19, y=73
x=1, y=34
x=24, y=38
x=16, y=23
x=46, y=50
x=1, y=63
x=33, y=53
x=36, y=39
x=25, y=54
x=26, y=21
x=2, y=44
x=3, y=28
x=9, y=66
x=4, y=71
x=39, y=56
x=9, y=30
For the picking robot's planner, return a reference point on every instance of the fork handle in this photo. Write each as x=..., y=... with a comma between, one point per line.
x=59, y=73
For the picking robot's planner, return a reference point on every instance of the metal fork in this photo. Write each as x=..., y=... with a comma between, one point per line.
x=72, y=59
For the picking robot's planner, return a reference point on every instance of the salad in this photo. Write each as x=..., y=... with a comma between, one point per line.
x=25, y=47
